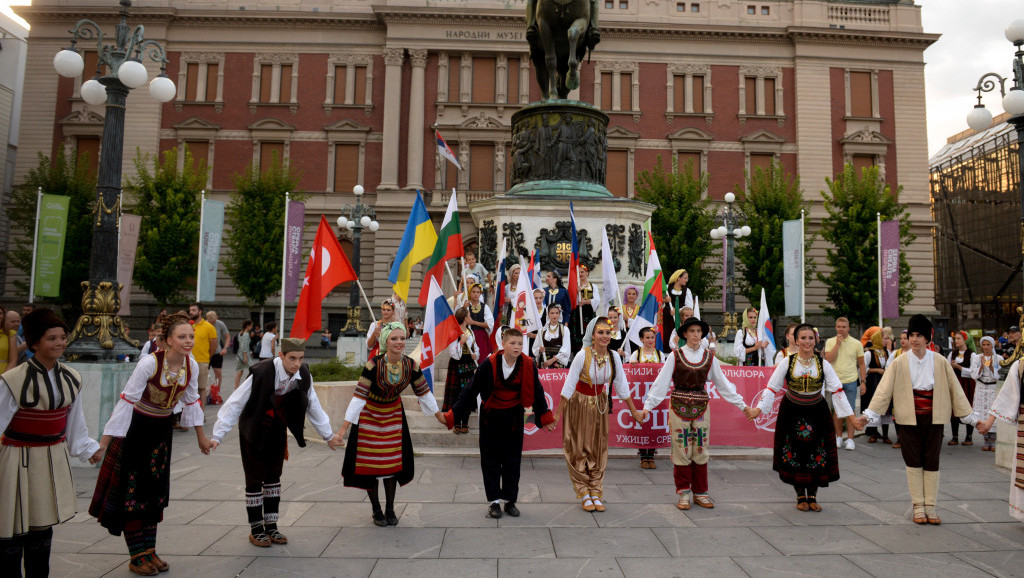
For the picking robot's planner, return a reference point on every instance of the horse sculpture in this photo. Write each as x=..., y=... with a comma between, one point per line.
x=560, y=33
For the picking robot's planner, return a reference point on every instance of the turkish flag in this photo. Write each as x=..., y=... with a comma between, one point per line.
x=327, y=268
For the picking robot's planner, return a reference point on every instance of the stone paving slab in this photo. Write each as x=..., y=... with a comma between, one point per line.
x=310, y=568
x=917, y=539
x=817, y=540
x=517, y=543
x=1005, y=564
x=832, y=566
x=617, y=542
x=435, y=568
x=713, y=542
x=674, y=568
x=303, y=542
x=901, y=566
x=590, y=567
x=389, y=542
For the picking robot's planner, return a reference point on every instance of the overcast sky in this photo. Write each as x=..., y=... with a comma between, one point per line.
x=972, y=44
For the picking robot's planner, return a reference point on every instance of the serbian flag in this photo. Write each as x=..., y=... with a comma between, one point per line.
x=524, y=308
x=417, y=244
x=440, y=329
x=653, y=296
x=445, y=151
x=448, y=246
x=327, y=268
x=765, y=332
x=574, y=264
x=533, y=272
x=499, y=291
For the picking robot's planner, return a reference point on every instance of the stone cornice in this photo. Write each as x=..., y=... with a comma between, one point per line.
x=919, y=40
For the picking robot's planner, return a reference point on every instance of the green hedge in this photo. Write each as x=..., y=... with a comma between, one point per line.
x=334, y=370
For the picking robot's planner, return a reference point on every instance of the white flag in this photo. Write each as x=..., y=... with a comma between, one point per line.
x=609, y=284
x=696, y=307
x=524, y=308
x=765, y=332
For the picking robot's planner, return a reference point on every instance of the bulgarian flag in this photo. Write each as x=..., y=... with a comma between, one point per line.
x=653, y=294
x=449, y=246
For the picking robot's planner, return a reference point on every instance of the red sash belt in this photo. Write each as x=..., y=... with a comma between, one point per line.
x=36, y=427
x=923, y=402
x=589, y=389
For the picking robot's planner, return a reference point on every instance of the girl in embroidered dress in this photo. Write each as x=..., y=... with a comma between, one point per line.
x=42, y=423
x=985, y=371
x=481, y=320
x=790, y=348
x=1008, y=407
x=556, y=293
x=647, y=353
x=552, y=349
x=961, y=359
x=384, y=449
x=465, y=356
x=876, y=358
x=585, y=312
x=679, y=296
x=630, y=308
x=687, y=371
x=586, y=405
x=746, y=345
x=387, y=315
x=805, y=455
x=134, y=482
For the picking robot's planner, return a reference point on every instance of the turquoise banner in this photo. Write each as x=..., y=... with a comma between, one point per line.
x=52, y=227
x=209, y=248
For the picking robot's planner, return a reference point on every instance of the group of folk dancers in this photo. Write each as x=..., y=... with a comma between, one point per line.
x=41, y=417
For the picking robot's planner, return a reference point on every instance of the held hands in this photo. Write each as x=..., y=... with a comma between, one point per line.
x=336, y=442
x=205, y=445
x=860, y=422
x=644, y=415
x=752, y=413
x=440, y=419
x=214, y=444
x=984, y=427
x=96, y=457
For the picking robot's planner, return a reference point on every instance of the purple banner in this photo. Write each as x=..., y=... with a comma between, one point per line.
x=889, y=267
x=293, y=233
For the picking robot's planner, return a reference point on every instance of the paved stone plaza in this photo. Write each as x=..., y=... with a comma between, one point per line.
x=755, y=530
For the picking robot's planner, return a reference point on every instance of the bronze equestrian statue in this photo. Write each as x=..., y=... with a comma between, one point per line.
x=560, y=32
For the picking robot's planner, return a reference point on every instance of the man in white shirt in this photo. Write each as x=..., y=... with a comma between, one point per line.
x=268, y=346
x=276, y=397
x=924, y=392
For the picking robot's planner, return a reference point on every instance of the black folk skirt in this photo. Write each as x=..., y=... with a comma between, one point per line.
x=805, y=447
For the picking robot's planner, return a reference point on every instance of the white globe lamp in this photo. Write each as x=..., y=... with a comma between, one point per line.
x=365, y=221
x=342, y=222
x=68, y=63
x=1015, y=32
x=132, y=73
x=162, y=89
x=730, y=197
x=93, y=92
x=358, y=190
x=979, y=118
x=374, y=225
x=1013, y=102
x=746, y=230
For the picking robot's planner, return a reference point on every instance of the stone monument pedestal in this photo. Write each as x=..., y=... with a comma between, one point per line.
x=352, y=350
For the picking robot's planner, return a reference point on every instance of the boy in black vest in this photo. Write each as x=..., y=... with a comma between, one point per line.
x=277, y=396
x=507, y=383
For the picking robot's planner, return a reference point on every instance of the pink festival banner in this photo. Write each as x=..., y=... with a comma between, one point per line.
x=293, y=271
x=728, y=426
x=889, y=267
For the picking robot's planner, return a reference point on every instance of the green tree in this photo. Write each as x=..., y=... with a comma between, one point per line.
x=680, y=225
x=853, y=203
x=168, y=200
x=771, y=197
x=255, y=230
x=72, y=179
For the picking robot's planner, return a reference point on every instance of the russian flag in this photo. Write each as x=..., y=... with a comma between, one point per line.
x=574, y=263
x=439, y=330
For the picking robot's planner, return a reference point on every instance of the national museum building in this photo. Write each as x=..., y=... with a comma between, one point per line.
x=350, y=92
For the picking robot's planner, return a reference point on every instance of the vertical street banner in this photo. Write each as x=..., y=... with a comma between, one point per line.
x=889, y=267
x=293, y=247
x=53, y=224
x=127, y=245
x=209, y=248
x=793, y=265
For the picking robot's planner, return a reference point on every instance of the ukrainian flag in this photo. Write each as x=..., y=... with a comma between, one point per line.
x=417, y=244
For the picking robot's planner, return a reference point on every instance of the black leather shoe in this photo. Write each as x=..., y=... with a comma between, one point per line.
x=494, y=511
x=378, y=518
x=511, y=509
x=391, y=517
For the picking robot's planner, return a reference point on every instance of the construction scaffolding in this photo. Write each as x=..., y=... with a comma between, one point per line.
x=976, y=209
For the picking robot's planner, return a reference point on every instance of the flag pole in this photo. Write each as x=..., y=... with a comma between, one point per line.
x=35, y=247
x=450, y=276
x=803, y=274
x=284, y=258
x=199, y=272
x=369, y=305
x=878, y=242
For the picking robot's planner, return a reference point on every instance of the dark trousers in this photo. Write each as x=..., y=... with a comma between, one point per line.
x=36, y=548
x=501, y=452
x=921, y=443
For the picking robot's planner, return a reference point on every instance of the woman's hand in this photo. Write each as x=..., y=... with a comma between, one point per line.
x=752, y=413
x=96, y=457
x=338, y=441
x=441, y=420
x=205, y=445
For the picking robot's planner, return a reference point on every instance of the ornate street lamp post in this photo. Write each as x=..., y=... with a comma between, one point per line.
x=99, y=333
x=730, y=232
x=360, y=216
x=980, y=119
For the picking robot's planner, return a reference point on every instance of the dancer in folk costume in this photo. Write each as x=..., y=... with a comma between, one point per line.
x=387, y=315
x=876, y=359
x=630, y=309
x=1008, y=407
x=481, y=319
x=585, y=311
x=276, y=398
x=556, y=293
x=686, y=372
x=134, y=483
x=42, y=423
x=507, y=383
x=551, y=349
x=379, y=446
x=790, y=347
x=679, y=296
x=924, y=391
x=586, y=404
x=985, y=371
x=804, y=454
x=648, y=353
x=464, y=355
x=746, y=346
x=962, y=358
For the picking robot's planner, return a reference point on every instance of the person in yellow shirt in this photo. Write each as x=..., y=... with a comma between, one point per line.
x=206, y=344
x=8, y=342
x=846, y=355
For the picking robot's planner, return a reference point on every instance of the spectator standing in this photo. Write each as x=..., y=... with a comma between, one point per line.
x=24, y=351
x=961, y=358
x=205, y=346
x=268, y=344
x=243, y=358
x=846, y=355
x=223, y=339
x=8, y=343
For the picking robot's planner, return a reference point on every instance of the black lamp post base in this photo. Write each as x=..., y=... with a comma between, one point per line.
x=99, y=333
x=354, y=326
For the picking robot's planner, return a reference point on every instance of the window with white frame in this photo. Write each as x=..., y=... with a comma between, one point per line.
x=201, y=79
x=349, y=81
x=275, y=81
x=617, y=87
x=761, y=92
x=862, y=94
x=689, y=89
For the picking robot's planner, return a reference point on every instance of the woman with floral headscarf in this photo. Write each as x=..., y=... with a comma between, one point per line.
x=876, y=358
x=960, y=358
x=746, y=345
x=985, y=371
x=384, y=449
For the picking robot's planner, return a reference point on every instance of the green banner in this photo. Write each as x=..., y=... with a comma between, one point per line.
x=52, y=226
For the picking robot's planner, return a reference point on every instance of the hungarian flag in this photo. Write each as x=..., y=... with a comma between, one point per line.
x=653, y=295
x=327, y=268
x=449, y=246
x=445, y=151
x=440, y=329
x=574, y=264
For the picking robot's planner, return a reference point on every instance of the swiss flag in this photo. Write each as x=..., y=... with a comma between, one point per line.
x=327, y=268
